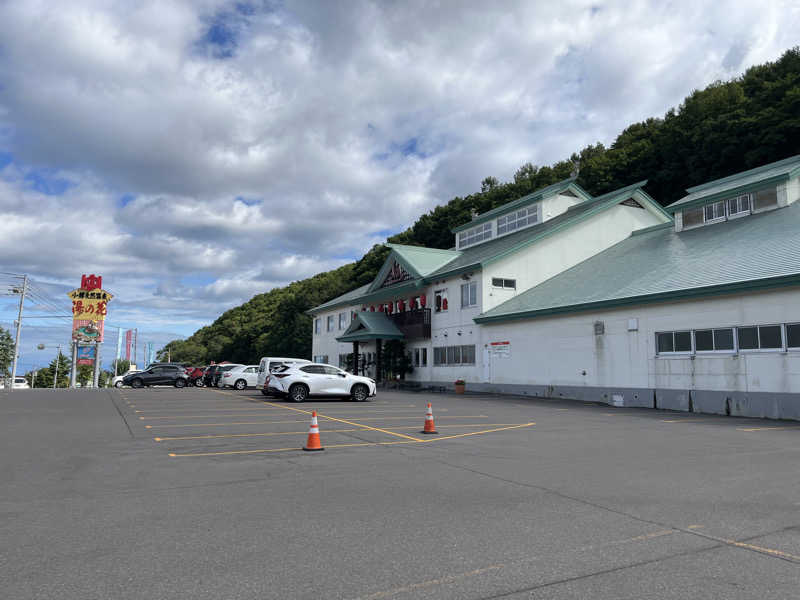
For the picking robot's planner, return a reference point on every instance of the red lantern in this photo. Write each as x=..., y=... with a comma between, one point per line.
x=444, y=303
x=390, y=307
x=422, y=301
x=380, y=308
x=401, y=305
x=412, y=303
x=371, y=309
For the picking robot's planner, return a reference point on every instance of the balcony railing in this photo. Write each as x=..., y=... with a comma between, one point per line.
x=414, y=324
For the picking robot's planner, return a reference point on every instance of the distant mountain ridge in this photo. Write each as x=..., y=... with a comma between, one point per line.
x=726, y=128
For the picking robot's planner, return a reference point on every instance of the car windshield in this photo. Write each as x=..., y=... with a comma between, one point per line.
x=227, y=367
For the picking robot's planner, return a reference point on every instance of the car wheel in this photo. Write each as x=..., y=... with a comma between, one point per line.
x=199, y=383
x=360, y=392
x=240, y=384
x=137, y=383
x=179, y=383
x=118, y=384
x=298, y=392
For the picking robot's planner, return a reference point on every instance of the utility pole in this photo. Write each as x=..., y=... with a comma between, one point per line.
x=19, y=329
x=96, y=374
x=58, y=360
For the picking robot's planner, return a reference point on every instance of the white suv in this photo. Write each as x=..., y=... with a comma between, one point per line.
x=298, y=382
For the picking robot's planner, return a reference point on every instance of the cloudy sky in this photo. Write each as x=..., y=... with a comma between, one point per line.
x=195, y=153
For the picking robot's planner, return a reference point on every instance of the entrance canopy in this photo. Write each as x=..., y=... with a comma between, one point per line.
x=371, y=326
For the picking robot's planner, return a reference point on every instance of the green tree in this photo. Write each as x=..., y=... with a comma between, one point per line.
x=85, y=375
x=44, y=378
x=6, y=352
x=123, y=365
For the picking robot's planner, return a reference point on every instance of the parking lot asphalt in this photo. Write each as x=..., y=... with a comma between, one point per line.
x=197, y=493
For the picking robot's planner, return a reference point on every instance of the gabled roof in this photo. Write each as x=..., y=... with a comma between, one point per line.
x=370, y=326
x=657, y=265
x=540, y=194
x=417, y=261
x=487, y=252
x=421, y=262
x=739, y=182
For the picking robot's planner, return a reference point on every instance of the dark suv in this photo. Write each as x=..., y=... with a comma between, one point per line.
x=158, y=375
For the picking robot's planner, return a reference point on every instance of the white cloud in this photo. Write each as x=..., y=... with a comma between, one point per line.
x=258, y=147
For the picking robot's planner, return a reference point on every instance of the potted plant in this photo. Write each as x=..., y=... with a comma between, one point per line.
x=460, y=386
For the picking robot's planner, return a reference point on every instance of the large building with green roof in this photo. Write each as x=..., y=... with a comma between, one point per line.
x=608, y=298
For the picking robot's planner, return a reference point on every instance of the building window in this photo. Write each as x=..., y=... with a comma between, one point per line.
x=762, y=337
x=317, y=325
x=793, y=336
x=693, y=217
x=674, y=341
x=518, y=220
x=321, y=358
x=424, y=357
x=469, y=294
x=330, y=323
x=342, y=320
x=475, y=235
x=739, y=205
x=440, y=301
x=715, y=211
x=713, y=340
x=765, y=199
x=416, y=357
x=452, y=355
x=509, y=284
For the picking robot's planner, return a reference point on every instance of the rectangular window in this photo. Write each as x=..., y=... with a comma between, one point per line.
x=468, y=355
x=713, y=340
x=330, y=322
x=317, y=325
x=416, y=357
x=518, y=220
x=342, y=320
x=693, y=217
x=674, y=341
x=450, y=355
x=793, y=336
x=715, y=211
x=424, y=357
x=739, y=205
x=475, y=235
x=762, y=337
x=440, y=301
x=765, y=199
x=510, y=284
x=469, y=294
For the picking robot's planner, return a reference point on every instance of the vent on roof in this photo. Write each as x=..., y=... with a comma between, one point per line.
x=633, y=203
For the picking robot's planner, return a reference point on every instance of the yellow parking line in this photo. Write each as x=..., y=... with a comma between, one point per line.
x=238, y=435
x=305, y=421
x=353, y=445
x=266, y=408
x=683, y=420
x=321, y=416
x=764, y=428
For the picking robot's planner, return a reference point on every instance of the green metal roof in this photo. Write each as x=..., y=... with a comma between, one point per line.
x=480, y=254
x=739, y=182
x=658, y=264
x=540, y=194
x=424, y=260
x=370, y=326
x=343, y=299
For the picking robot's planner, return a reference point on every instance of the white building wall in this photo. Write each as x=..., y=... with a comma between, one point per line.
x=564, y=350
x=559, y=252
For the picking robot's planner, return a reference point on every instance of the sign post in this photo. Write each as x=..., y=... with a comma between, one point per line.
x=89, y=310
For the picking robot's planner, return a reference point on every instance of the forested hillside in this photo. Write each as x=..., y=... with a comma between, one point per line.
x=727, y=127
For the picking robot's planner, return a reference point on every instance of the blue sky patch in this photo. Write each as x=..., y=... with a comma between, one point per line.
x=6, y=158
x=45, y=183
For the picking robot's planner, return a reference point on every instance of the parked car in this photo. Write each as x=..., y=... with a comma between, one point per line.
x=195, y=375
x=158, y=375
x=240, y=378
x=268, y=364
x=298, y=382
x=20, y=383
x=222, y=369
x=210, y=373
x=117, y=381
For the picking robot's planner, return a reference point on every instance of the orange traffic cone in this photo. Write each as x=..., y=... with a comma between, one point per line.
x=429, y=426
x=313, y=444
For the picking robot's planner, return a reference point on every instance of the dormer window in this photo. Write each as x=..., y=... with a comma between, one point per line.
x=518, y=220
x=475, y=235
